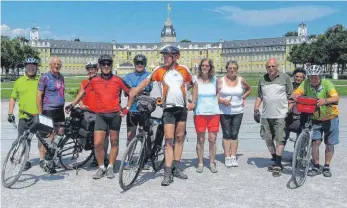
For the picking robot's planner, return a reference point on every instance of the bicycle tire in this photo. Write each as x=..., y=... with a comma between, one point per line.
x=138, y=162
x=301, y=158
x=70, y=143
x=158, y=149
x=23, y=157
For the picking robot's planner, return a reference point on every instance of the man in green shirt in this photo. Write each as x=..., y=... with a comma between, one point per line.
x=24, y=90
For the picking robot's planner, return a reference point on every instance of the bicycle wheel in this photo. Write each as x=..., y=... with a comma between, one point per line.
x=158, y=151
x=72, y=155
x=301, y=158
x=15, y=162
x=132, y=163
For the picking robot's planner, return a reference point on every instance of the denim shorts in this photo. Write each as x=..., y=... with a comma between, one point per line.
x=330, y=129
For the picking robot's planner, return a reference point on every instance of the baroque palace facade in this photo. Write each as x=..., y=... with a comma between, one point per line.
x=251, y=55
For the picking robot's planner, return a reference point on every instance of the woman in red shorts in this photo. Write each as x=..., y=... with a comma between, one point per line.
x=206, y=111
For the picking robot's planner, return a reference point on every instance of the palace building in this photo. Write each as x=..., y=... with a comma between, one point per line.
x=251, y=55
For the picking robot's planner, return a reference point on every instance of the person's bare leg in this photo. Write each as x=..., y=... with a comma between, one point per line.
x=212, y=146
x=179, y=136
x=99, y=138
x=114, y=139
x=169, y=130
x=200, y=147
x=315, y=151
x=226, y=147
x=234, y=145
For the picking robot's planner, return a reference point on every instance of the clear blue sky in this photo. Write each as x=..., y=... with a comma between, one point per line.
x=131, y=22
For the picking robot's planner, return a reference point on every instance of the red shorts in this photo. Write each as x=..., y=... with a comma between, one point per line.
x=211, y=122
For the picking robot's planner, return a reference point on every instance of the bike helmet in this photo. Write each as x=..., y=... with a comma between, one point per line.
x=170, y=50
x=314, y=70
x=91, y=64
x=31, y=61
x=105, y=57
x=140, y=58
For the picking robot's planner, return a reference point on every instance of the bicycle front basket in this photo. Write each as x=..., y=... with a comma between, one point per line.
x=306, y=104
x=146, y=104
x=42, y=124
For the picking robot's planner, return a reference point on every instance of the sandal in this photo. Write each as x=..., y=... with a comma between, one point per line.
x=313, y=172
x=277, y=171
x=327, y=172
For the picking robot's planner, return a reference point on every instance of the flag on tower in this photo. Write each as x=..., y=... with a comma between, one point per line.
x=169, y=7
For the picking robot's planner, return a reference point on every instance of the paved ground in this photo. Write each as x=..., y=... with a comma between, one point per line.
x=248, y=185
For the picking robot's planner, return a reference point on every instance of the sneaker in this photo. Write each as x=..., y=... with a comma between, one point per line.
x=200, y=168
x=167, y=180
x=213, y=168
x=327, y=172
x=99, y=173
x=126, y=166
x=227, y=162
x=277, y=171
x=27, y=166
x=233, y=162
x=314, y=171
x=146, y=167
x=110, y=173
x=42, y=164
x=178, y=173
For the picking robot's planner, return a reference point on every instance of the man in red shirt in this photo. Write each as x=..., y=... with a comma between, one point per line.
x=89, y=102
x=107, y=88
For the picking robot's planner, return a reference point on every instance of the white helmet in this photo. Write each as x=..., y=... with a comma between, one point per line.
x=314, y=70
x=91, y=64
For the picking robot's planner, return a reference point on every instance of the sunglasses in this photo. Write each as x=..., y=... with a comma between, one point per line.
x=140, y=63
x=106, y=64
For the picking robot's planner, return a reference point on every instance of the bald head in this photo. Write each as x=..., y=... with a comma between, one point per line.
x=272, y=67
x=271, y=61
x=55, y=64
x=54, y=59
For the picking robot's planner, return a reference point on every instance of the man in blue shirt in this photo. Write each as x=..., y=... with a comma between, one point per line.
x=133, y=79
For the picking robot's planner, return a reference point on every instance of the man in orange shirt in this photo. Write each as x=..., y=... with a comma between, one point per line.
x=175, y=79
x=89, y=102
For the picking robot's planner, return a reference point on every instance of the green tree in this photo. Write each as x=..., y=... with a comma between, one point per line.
x=290, y=34
x=186, y=41
x=15, y=51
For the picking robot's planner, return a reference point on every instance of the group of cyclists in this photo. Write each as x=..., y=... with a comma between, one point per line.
x=214, y=101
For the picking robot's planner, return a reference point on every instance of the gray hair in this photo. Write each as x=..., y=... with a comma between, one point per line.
x=231, y=62
x=55, y=57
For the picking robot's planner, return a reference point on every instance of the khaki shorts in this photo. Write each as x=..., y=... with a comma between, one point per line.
x=273, y=129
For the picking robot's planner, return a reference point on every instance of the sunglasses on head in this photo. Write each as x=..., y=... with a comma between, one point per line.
x=139, y=63
x=106, y=64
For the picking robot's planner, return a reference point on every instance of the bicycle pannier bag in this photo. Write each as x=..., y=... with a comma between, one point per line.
x=146, y=104
x=306, y=104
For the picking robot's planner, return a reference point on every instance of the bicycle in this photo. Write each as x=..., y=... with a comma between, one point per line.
x=142, y=148
x=42, y=127
x=303, y=147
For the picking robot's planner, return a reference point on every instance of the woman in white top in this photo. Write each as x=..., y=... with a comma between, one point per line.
x=206, y=112
x=232, y=92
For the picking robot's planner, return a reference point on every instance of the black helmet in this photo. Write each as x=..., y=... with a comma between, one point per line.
x=91, y=64
x=140, y=59
x=299, y=70
x=31, y=61
x=105, y=57
x=257, y=116
x=170, y=50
